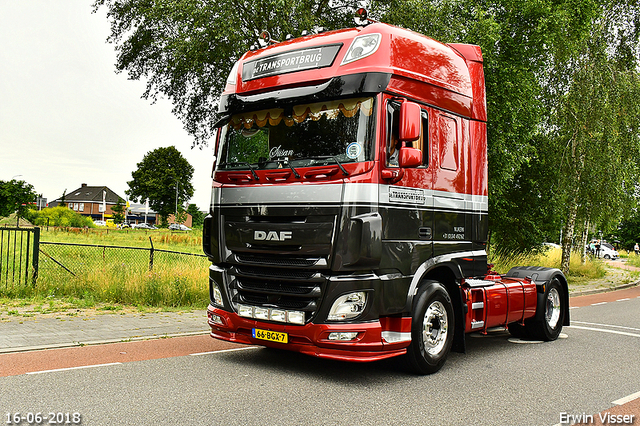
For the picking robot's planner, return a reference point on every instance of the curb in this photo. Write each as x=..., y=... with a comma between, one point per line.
x=602, y=290
x=98, y=342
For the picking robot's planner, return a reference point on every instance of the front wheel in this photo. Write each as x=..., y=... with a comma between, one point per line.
x=553, y=308
x=432, y=329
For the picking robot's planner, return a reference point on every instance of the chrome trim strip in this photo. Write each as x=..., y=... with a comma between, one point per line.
x=351, y=193
x=216, y=268
x=366, y=277
x=296, y=194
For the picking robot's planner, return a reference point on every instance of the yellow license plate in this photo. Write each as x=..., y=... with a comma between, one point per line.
x=271, y=336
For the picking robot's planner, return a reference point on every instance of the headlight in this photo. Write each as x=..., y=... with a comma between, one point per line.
x=361, y=47
x=348, y=306
x=217, y=295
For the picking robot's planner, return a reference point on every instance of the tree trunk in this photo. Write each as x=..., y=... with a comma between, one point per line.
x=585, y=237
x=568, y=236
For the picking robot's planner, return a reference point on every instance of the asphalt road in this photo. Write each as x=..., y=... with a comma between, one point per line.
x=499, y=381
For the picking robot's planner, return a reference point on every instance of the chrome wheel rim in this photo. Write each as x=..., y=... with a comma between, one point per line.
x=435, y=328
x=552, y=311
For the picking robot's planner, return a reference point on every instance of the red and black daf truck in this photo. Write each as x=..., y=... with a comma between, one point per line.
x=349, y=203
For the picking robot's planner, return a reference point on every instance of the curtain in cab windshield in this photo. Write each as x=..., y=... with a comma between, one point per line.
x=340, y=129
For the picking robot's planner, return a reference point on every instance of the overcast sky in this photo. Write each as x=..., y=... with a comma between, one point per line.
x=66, y=117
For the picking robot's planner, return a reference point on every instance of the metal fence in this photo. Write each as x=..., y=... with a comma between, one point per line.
x=18, y=256
x=77, y=259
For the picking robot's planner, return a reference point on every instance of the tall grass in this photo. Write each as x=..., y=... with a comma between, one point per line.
x=190, y=241
x=551, y=258
x=632, y=259
x=119, y=276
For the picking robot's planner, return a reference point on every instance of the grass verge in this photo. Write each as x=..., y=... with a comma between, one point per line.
x=98, y=276
x=578, y=272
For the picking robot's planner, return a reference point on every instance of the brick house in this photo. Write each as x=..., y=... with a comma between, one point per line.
x=88, y=201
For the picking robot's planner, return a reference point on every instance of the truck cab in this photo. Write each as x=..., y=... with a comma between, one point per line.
x=348, y=217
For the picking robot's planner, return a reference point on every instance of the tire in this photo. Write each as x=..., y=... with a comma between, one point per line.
x=432, y=329
x=553, y=306
x=518, y=330
x=607, y=257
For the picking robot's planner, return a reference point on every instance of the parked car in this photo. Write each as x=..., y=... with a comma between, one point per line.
x=99, y=223
x=607, y=251
x=144, y=226
x=179, y=227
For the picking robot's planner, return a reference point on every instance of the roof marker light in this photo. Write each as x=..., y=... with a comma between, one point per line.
x=265, y=39
x=361, y=18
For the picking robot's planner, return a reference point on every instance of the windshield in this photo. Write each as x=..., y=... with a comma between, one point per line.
x=339, y=131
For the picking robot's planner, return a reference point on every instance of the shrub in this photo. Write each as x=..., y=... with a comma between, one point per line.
x=59, y=216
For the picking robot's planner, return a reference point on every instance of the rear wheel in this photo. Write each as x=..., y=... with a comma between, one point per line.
x=432, y=329
x=518, y=330
x=553, y=307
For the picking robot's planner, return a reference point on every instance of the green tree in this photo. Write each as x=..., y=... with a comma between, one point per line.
x=119, y=211
x=595, y=128
x=185, y=49
x=164, y=177
x=197, y=217
x=63, y=202
x=181, y=215
x=15, y=197
x=628, y=233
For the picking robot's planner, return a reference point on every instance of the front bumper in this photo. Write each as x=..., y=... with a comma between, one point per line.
x=376, y=340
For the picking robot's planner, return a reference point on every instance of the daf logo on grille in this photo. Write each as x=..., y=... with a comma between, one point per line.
x=272, y=235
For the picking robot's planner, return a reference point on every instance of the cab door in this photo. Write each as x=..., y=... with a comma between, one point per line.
x=406, y=202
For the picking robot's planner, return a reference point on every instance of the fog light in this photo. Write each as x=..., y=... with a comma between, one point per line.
x=296, y=317
x=216, y=319
x=278, y=315
x=245, y=311
x=261, y=313
x=348, y=306
x=343, y=336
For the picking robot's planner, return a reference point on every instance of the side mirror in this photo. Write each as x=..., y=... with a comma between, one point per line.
x=410, y=119
x=410, y=157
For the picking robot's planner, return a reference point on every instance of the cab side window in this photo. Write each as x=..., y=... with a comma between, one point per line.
x=393, y=126
x=393, y=142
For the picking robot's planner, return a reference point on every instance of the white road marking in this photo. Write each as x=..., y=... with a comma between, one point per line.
x=605, y=331
x=74, y=368
x=622, y=300
x=599, y=303
x=606, y=325
x=626, y=399
x=225, y=350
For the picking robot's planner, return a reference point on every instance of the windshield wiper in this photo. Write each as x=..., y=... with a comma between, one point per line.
x=329, y=157
x=242, y=163
x=281, y=161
